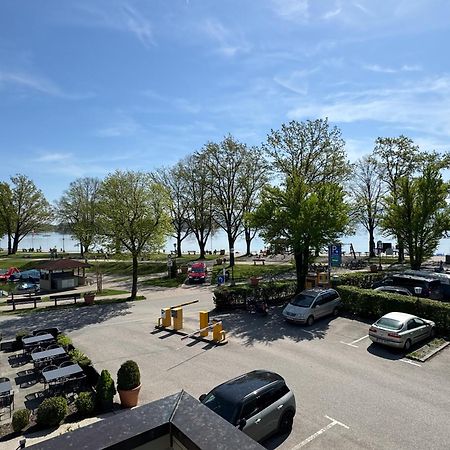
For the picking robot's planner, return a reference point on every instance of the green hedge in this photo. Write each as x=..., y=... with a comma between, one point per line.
x=372, y=304
x=51, y=412
x=360, y=279
x=232, y=297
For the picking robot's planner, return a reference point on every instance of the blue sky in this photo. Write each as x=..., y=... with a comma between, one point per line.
x=87, y=87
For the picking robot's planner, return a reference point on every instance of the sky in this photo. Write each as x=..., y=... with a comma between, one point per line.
x=91, y=86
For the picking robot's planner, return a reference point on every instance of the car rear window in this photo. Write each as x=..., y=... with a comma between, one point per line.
x=302, y=300
x=390, y=324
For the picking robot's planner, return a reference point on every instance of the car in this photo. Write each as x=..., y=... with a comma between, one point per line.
x=312, y=304
x=259, y=403
x=394, y=290
x=197, y=273
x=4, y=276
x=401, y=330
x=419, y=286
x=27, y=288
x=32, y=276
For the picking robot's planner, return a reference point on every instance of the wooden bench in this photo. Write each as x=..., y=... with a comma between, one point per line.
x=73, y=297
x=259, y=260
x=192, y=252
x=23, y=301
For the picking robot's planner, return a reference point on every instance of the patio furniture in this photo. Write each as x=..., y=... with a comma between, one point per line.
x=66, y=364
x=36, y=350
x=52, y=346
x=7, y=401
x=57, y=387
x=48, y=355
x=75, y=383
x=30, y=342
x=5, y=385
x=40, y=333
x=62, y=372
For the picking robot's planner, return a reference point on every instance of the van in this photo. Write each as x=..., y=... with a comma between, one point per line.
x=417, y=285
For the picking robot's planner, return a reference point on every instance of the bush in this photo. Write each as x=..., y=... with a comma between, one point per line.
x=128, y=376
x=105, y=391
x=21, y=419
x=63, y=340
x=232, y=297
x=85, y=404
x=361, y=279
x=51, y=412
x=21, y=334
x=373, y=304
x=79, y=357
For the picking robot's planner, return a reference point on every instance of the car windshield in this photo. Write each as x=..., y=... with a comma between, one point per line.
x=302, y=300
x=197, y=270
x=221, y=406
x=390, y=324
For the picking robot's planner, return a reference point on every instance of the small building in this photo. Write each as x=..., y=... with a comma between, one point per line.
x=59, y=274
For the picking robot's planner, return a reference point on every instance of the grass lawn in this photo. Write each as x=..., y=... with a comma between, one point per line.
x=106, y=292
x=166, y=281
x=126, y=268
x=245, y=271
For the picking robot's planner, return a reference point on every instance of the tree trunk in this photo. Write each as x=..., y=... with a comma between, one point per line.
x=248, y=242
x=299, y=269
x=231, y=246
x=15, y=245
x=9, y=244
x=371, y=243
x=202, y=246
x=179, y=246
x=135, y=277
x=81, y=249
x=401, y=250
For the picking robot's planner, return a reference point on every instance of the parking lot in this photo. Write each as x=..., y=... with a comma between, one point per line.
x=350, y=394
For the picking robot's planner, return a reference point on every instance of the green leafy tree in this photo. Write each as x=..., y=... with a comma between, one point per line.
x=134, y=211
x=366, y=191
x=307, y=209
x=23, y=210
x=418, y=213
x=78, y=209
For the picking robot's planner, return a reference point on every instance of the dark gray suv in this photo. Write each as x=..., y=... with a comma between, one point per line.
x=258, y=402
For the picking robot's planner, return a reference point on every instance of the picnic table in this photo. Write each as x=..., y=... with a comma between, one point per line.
x=74, y=296
x=35, y=340
x=5, y=387
x=62, y=372
x=48, y=354
x=255, y=260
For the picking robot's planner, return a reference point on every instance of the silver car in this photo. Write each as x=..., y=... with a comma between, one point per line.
x=401, y=330
x=312, y=304
x=259, y=403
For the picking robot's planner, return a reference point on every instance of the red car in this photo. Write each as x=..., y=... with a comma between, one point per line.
x=197, y=273
x=5, y=276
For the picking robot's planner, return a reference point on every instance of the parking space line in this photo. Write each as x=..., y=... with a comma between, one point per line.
x=321, y=431
x=410, y=362
x=352, y=344
x=360, y=339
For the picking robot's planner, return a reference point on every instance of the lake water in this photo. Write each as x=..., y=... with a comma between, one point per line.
x=65, y=242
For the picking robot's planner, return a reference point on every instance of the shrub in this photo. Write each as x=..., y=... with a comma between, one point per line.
x=79, y=357
x=128, y=376
x=105, y=391
x=373, y=304
x=21, y=419
x=361, y=279
x=63, y=340
x=51, y=412
x=21, y=334
x=85, y=403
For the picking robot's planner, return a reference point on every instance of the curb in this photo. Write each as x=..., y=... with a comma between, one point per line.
x=427, y=357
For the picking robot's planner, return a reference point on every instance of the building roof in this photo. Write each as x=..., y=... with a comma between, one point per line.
x=61, y=264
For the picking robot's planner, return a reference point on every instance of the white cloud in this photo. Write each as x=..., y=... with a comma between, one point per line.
x=54, y=157
x=124, y=126
x=383, y=69
x=292, y=9
x=332, y=13
x=229, y=42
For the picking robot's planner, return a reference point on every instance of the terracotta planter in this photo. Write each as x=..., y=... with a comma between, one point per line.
x=89, y=299
x=254, y=281
x=128, y=399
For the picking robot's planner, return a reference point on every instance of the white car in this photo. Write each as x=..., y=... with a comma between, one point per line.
x=401, y=330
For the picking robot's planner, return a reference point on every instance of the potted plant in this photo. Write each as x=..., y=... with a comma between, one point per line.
x=89, y=298
x=254, y=281
x=129, y=383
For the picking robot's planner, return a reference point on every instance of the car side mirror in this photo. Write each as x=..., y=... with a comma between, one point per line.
x=202, y=397
x=242, y=424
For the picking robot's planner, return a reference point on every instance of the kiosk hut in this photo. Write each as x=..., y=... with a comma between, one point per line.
x=60, y=274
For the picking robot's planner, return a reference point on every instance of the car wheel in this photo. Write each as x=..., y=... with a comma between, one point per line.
x=310, y=321
x=335, y=312
x=407, y=345
x=286, y=421
x=432, y=333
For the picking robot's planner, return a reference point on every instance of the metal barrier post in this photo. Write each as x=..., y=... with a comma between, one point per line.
x=218, y=333
x=204, y=320
x=177, y=315
x=165, y=319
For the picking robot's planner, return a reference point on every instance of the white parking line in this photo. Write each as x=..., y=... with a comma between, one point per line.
x=410, y=362
x=352, y=344
x=321, y=431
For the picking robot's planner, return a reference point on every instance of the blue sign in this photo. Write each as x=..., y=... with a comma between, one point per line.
x=220, y=279
x=335, y=255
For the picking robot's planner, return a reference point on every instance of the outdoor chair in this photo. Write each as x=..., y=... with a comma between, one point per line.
x=47, y=369
x=40, y=333
x=36, y=350
x=7, y=401
x=76, y=383
x=57, y=387
x=3, y=379
x=66, y=363
x=52, y=346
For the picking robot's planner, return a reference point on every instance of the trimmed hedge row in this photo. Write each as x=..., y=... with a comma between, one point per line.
x=361, y=279
x=372, y=305
x=233, y=297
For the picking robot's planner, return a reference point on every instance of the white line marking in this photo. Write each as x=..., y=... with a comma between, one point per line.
x=410, y=362
x=360, y=339
x=350, y=345
x=321, y=431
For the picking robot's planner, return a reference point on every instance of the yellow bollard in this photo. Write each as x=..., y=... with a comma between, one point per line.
x=218, y=333
x=177, y=315
x=204, y=320
x=165, y=319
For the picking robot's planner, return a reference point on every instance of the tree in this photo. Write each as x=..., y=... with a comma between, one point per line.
x=134, y=212
x=78, y=210
x=418, y=213
x=307, y=210
x=366, y=194
x=232, y=166
x=175, y=183
x=396, y=158
x=199, y=199
x=23, y=209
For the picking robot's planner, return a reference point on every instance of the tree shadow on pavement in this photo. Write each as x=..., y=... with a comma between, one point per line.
x=67, y=319
x=254, y=328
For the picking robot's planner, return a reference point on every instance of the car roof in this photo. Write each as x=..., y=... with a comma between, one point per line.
x=390, y=287
x=401, y=317
x=200, y=264
x=316, y=291
x=414, y=277
x=240, y=387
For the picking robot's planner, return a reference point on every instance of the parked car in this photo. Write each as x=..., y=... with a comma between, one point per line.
x=394, y=290
x=32, y=276
x=401, y=330
x=197, y=273
x=312, y=304
x=4, y=276
x=27, y=288
x=258, y=402
x=419, y=286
